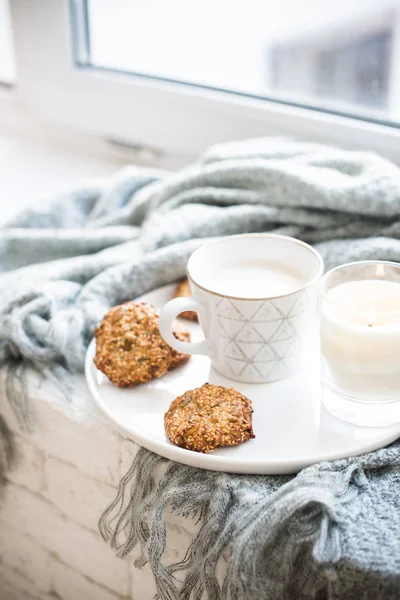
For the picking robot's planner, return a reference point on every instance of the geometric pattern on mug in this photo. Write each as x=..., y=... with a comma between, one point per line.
x=261, y=339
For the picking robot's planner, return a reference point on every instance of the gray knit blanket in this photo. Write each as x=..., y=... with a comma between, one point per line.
x=333, y=531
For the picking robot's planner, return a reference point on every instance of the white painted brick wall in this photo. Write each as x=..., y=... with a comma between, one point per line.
x=71, y=585
x=15, y=586
x=93, y=447
x=67, y=473
x=69, y=432
x=77, y=495
x=78, y=547
x=30, y=465
x=24, y=554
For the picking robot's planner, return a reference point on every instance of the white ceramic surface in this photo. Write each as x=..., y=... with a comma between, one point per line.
x=292, y=429
x=260, y=334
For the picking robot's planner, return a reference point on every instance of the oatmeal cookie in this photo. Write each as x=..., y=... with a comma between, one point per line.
x=182, y=290
x=208, y=417
x=178, y=358
x=129, y=347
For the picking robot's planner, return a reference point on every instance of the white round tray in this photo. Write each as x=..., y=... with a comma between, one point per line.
x=292, y=428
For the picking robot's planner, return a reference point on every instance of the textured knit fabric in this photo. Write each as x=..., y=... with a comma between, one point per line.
x=331, y=532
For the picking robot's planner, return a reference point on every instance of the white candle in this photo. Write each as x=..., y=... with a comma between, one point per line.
x=360, y=339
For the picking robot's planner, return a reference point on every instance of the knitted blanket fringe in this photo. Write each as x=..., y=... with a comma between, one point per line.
x=282, y=534
x=330, y=532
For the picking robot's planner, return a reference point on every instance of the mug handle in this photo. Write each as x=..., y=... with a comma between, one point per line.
x=168, y=314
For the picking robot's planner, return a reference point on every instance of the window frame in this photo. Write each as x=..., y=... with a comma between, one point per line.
x=173, y=118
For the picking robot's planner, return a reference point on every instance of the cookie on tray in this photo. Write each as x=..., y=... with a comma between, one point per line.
x=208, y=417
x=129, y=347
x=178, y=358
x=183, y=290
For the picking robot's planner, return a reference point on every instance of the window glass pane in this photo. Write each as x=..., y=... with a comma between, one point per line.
x=341, y=56
x=7, y=61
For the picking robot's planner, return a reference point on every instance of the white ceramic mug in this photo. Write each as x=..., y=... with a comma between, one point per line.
x=256, y=297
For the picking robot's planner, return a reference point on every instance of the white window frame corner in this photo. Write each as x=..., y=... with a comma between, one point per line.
x=173, y=118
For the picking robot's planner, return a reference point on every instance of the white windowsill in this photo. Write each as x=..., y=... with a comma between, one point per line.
x=39, y=161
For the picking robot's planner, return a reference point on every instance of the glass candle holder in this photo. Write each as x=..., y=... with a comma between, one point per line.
x=360, y=342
